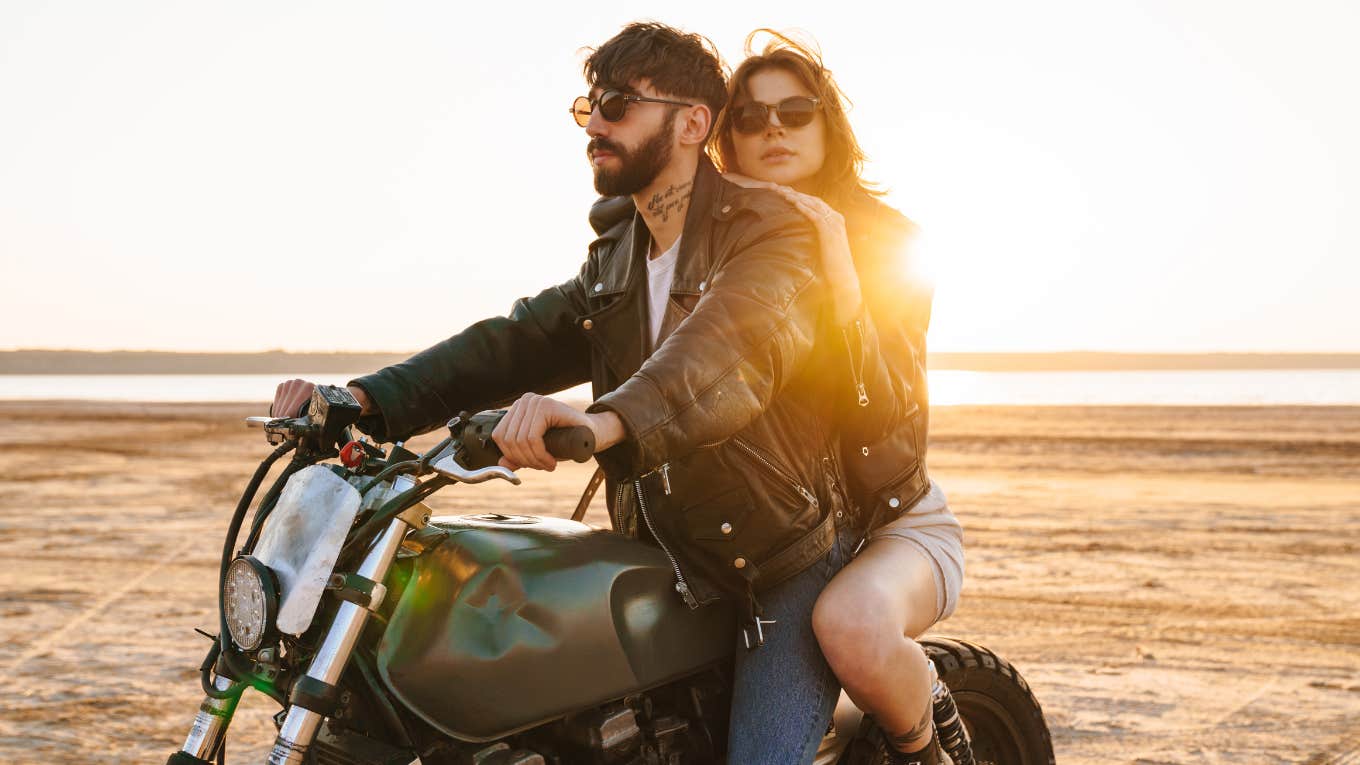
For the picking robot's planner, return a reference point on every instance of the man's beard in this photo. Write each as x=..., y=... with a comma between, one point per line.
x=638, y=167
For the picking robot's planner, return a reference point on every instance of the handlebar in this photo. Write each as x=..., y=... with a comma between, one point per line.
x=575, y=443
x=472, y=437
x=470, y=434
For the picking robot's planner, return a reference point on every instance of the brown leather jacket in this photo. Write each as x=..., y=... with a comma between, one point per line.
x=730, y=461
x=883, y=411
x=873, y=370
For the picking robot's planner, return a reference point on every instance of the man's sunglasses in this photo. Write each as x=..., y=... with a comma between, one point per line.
x=794, y=111
x=613, y=105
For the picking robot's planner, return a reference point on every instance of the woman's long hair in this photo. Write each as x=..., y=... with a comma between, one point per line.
x=839, y=181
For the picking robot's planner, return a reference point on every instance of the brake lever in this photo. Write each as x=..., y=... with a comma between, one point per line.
x=449, y=468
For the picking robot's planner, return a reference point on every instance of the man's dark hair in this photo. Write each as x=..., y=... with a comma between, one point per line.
x=677, y=64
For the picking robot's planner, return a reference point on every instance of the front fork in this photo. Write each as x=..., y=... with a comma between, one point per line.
x=301, y=724
x=210, y=724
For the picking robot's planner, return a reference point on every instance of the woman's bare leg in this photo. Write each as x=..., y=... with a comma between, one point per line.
x=866, y=621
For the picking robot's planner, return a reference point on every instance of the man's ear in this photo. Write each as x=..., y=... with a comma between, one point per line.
x=694, y=127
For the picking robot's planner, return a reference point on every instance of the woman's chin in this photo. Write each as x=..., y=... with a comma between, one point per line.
x=782, y=175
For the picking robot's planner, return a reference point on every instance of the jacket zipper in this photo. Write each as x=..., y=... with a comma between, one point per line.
x=618, y=509
x=665, y=471
x=790, y=480
x=857, y=370
x=681, y=586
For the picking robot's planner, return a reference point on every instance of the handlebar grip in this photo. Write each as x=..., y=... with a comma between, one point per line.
x=575, y=443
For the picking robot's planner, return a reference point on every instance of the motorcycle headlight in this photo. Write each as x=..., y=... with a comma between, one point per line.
x=251, y=601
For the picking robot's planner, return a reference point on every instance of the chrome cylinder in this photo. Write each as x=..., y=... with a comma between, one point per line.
x=949, y=728
x=300, y=726
x=210, y=724
x=298, y=730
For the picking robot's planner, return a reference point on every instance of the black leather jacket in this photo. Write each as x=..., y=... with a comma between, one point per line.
x=730, y=462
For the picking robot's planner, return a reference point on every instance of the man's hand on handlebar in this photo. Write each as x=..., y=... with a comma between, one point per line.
x=291, y=395
x=520, y=434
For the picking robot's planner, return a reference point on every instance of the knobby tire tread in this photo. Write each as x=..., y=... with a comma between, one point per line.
x=979, y=669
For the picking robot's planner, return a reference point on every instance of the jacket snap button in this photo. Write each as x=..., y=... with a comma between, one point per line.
x=894, y=502
x=839, y=514
x=727, y=209
x=864, y=450
x=739, y=563
x=703, y=286
x=587, y=324
x=599, y=286
x=726, y=528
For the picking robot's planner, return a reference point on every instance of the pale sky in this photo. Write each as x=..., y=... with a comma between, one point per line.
x=1131, y=176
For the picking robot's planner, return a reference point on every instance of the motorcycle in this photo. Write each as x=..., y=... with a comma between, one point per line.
x=389, y=636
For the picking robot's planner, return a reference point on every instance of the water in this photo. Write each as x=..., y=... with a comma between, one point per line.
x=1168, y=388
x=947, y=387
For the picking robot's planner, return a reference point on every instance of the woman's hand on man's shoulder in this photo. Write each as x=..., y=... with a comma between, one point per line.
x=837, y=262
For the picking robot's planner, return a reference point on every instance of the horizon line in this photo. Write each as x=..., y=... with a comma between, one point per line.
x=71, y=362
x=389, y=352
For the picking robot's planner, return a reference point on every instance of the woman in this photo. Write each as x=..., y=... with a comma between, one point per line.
x=785, y=127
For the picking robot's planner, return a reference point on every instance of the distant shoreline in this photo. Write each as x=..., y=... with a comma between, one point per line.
x=46, y=362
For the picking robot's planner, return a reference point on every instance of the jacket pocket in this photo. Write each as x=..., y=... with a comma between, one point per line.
x=781, y=476
x=720, y=518
x=871, y=467
x=886, y=477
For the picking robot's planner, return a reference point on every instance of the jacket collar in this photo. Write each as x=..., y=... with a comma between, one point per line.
x=695, y=260
x=621, y=227
x=621, y=327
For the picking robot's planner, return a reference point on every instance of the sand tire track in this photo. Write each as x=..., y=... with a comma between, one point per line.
x=49, y=641
x=1348, y=754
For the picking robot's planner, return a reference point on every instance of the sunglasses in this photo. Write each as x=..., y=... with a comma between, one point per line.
x=794, y=111
x=613, y=105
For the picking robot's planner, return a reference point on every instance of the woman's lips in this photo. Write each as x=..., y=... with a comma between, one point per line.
x=775, y=156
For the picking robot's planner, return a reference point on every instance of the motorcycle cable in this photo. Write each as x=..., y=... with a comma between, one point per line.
x=388, y=472
x=418, y=467
x=271, y=498
x=233, y=531
x=205, y=670
x=363, y=535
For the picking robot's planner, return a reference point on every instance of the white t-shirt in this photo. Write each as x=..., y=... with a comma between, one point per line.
x=660, y=274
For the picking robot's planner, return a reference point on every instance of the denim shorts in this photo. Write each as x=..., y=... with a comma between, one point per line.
x=784, y=692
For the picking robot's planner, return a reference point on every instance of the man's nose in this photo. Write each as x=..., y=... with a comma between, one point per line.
x=596, y=126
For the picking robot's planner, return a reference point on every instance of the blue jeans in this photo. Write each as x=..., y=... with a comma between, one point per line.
x=784, y=693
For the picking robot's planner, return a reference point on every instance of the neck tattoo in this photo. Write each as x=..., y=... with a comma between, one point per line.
x=673, y=200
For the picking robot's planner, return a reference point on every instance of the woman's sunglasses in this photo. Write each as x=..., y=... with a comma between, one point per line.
x=613, y=105
x=794, y=111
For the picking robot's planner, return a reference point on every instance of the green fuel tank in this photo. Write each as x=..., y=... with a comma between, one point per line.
x=512, y=621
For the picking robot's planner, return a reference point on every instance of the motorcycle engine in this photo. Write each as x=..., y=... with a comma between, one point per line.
x=627, y=734
x=680, y=724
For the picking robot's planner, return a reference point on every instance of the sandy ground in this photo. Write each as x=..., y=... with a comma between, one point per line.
x=1178, y=585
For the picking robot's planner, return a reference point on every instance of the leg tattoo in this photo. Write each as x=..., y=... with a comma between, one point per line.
x=913, y=736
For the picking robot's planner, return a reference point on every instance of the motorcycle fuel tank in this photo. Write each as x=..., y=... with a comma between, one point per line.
x=513, y=621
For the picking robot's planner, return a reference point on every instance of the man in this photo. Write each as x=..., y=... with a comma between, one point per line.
x=694, y=318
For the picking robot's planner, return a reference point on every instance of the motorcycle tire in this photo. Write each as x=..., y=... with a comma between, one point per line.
x=1004, y=720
